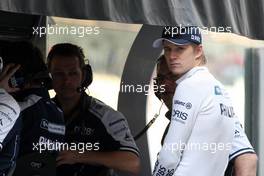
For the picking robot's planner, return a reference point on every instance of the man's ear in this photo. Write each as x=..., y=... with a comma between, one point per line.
x=198, y=52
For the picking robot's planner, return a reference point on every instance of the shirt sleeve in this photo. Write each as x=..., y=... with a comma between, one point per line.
x=186, y=105
x=9, y=112
x=240, y=144
x=117, y=126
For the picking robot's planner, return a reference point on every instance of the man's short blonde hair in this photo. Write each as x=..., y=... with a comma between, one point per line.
x=202, y=57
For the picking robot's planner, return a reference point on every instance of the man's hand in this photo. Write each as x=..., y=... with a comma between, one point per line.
x=67, y=157
x=8, y=71
x=119, y=160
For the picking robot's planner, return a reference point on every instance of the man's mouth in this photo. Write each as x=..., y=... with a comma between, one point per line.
x=175, y=64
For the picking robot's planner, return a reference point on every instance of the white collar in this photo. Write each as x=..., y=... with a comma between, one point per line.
x=190, y=73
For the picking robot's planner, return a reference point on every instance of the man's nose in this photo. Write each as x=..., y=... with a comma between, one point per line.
x=65, y=78
x=173, y=55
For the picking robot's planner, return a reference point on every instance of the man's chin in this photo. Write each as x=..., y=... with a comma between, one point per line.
x=68, y=96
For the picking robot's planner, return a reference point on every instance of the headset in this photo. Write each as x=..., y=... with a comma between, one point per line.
x=88, y=78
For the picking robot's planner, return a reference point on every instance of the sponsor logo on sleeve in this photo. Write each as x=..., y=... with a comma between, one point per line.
x=227, y=111
x=179, y=102
x=128, y=137
x=218, y=90
x=238, y=134
x=163, y=171
x=179, y=116
x=187, y=105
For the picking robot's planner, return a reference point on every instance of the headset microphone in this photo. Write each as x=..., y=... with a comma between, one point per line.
x=81, y=89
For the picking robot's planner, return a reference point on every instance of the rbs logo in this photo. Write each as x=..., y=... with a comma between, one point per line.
x=179, y=114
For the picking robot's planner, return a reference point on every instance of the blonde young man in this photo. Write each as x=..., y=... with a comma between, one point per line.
x=242, y=158
x=200, y=134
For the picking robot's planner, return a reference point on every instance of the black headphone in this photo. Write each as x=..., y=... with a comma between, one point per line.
x=88, y=78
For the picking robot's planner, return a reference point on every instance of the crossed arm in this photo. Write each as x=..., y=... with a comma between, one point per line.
x=119, y=160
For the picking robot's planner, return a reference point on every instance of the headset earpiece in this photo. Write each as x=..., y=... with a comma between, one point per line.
x=88, y=76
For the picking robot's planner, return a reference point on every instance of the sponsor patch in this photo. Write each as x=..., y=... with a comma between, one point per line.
x=52, y=127
x=85, y=131
x=179, y=102
x=227, y=111
x=218, y=90
x=179, y=116
x=187, y=105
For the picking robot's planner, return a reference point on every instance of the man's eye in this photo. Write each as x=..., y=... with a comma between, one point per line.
x=57, y=74
x=180, y=48
x=166, y=49
x=73, y=73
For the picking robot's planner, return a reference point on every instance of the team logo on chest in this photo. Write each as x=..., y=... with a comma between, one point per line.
x=85, y=131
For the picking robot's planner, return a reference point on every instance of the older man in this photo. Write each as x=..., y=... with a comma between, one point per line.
x=88, y=120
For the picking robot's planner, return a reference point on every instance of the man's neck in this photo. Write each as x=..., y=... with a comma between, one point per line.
x=68, y=105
